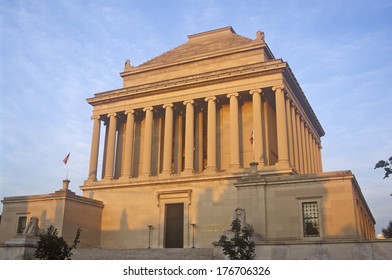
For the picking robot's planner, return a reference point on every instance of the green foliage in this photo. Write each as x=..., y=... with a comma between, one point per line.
x=387, y=232
x=238, y=247
x=387, y=165
x=53, y=247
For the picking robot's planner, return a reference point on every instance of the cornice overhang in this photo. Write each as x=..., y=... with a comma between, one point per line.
x=203, y=79
x=291, y=79
x=58, y=195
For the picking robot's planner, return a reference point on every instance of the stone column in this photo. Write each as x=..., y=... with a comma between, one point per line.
x=257, y=126
x=105, y=147
x=147, y=143
x=189, y=136
x=168, y=139
x=265, y=125
x=281, y=125
x=295, y=136
x=199, y=142
x=211, y=134
x=92, y=174
x=234, y=134
x=314, y=155
x=304, y=143
x=320, y=162
x=178, y=153
x=128, y=151
x=308, y=149
x=290, y=132
x=111, y=145
x=300, y=143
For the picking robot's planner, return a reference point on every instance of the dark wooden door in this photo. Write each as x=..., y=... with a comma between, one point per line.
x=174, y=225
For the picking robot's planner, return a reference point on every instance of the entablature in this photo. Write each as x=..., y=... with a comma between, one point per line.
x=257, y=69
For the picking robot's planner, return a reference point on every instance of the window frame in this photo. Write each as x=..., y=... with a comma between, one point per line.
x=19, y=229
x=318, y=201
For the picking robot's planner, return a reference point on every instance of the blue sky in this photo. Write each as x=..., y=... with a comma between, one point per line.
x=55, y=54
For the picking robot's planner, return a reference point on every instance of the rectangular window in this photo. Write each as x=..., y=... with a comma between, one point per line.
x=310, y=217
x=21, y=224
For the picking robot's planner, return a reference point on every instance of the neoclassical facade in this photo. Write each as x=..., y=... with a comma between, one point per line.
x=194, y=109
x=171, y=152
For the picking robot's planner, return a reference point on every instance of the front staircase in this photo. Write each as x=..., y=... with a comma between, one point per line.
x=144, y=254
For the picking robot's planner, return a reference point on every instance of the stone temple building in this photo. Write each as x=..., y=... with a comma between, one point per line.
x=213, y=125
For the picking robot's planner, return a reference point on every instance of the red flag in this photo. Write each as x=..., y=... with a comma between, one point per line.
x=65, y=160
x=251, y=138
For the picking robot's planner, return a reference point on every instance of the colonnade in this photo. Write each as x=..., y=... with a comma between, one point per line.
x=366, y=226
x=297, y=145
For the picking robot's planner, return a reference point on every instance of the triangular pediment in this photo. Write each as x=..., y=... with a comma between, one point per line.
x=202, y=44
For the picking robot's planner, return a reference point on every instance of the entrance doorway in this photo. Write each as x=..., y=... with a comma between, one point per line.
x=174, y=225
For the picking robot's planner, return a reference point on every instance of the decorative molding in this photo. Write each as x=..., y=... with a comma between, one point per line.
x=170, y=105
x=253, y=91
x=188, y=102
x=235, y=94
x=148, y=109
x=213, y=98
x=174, y=194
x=235, y=73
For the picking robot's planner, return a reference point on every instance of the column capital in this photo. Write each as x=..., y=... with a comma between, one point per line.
x=95, y=117
x=148, y=109
x=274, y=88
x=235, y=94
x=112, y=115
x=252, y=91
x=130, y=111
x=213, y=98
x=190, y=101
x=169, y=105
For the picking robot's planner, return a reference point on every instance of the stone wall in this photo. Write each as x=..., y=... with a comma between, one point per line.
x=339, y=250
x=354, y=250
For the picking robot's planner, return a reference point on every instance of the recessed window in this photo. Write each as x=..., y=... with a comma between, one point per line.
x=21, y=224
x=310, y=218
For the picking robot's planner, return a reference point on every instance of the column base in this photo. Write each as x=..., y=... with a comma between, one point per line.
x=187, y=172
x=210, y=170
x=90, y=180
x=145, y=175
x=107, y=179
x=282, y=164
x=165, y=174
x=235, y=168
x=125, y=177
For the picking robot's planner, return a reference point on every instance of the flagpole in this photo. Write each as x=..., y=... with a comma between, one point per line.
x=65, y=161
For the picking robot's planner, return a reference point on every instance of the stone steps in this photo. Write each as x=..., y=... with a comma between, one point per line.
x=143, y=254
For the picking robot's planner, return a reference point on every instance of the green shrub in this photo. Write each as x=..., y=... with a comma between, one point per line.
x=239, y=246
x=53, y=247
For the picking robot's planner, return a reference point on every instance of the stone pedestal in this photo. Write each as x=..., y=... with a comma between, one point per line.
x=19, y=248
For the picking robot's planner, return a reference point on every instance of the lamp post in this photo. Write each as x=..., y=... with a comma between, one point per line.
x=193, y=237
x=149, y=236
